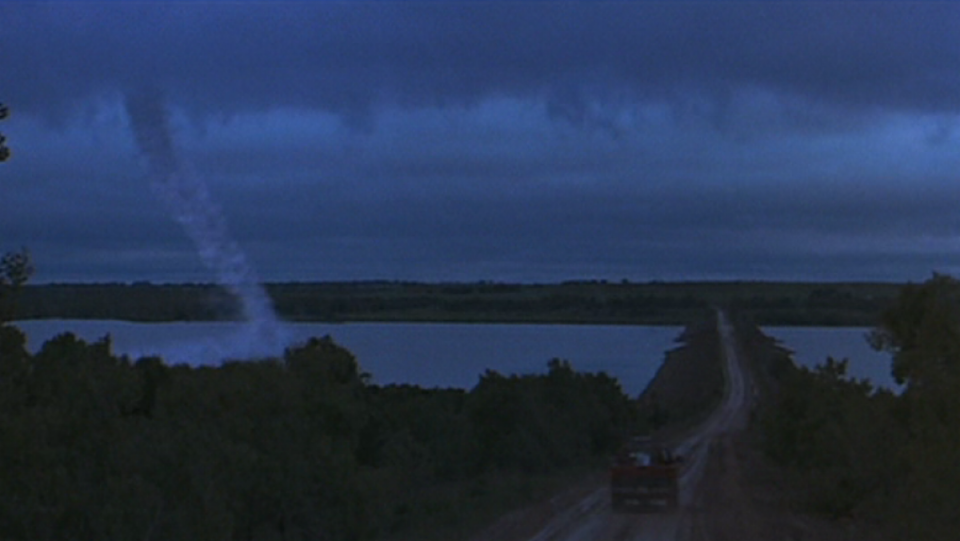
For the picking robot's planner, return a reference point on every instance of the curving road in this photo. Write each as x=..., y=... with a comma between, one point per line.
x=592, y=519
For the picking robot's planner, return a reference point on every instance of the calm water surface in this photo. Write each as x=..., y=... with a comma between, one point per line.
x=427, y=354
x=812, y=346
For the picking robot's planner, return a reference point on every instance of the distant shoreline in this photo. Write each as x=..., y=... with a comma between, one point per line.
x=574, y=302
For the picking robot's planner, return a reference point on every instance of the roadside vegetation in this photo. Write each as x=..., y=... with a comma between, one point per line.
x=96, y=446
x=861, y=454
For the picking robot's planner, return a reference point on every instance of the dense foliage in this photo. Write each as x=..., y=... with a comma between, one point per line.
x=863, y=452
x=96, y=446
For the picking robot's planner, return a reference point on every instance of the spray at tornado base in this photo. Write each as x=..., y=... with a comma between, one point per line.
x=188, y=199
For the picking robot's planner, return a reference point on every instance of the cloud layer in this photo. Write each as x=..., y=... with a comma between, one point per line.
x=479, y=140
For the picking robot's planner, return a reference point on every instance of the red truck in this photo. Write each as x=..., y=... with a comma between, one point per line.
x=645, y=476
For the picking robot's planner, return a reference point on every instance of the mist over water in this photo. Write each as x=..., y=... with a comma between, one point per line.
x=188, y=199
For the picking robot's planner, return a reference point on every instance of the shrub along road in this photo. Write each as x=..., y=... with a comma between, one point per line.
x=590, y=516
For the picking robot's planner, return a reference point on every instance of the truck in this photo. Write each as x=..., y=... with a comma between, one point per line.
x=645, y=476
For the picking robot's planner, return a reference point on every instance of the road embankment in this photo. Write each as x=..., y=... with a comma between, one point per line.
x=688, y=386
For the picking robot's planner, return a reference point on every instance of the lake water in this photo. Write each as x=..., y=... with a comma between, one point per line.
x=454, y=355
x=427, y=354
x=812, y=346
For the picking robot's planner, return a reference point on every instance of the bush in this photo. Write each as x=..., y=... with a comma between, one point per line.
x=96, y=446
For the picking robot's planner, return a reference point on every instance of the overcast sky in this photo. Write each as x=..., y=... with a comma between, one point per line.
x=533, y=141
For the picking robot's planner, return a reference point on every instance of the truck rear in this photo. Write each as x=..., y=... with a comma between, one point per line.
x=645, y=476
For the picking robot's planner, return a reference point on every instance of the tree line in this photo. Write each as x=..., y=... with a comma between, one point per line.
x=358, y=301
x=303, y=446
x=595, y=302
x=892, y=460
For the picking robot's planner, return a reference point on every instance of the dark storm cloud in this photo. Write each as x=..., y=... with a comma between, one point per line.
x=767, y=139
x=307, y=232
x=348, y=57
x=579, y=232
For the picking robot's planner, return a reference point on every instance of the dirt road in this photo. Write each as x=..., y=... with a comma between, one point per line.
x=591, y=518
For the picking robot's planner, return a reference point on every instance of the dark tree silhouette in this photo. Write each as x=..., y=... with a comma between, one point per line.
x=4, y=150
x=15, y=269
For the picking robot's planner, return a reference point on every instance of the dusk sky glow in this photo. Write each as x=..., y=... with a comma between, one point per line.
x=505, y=141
